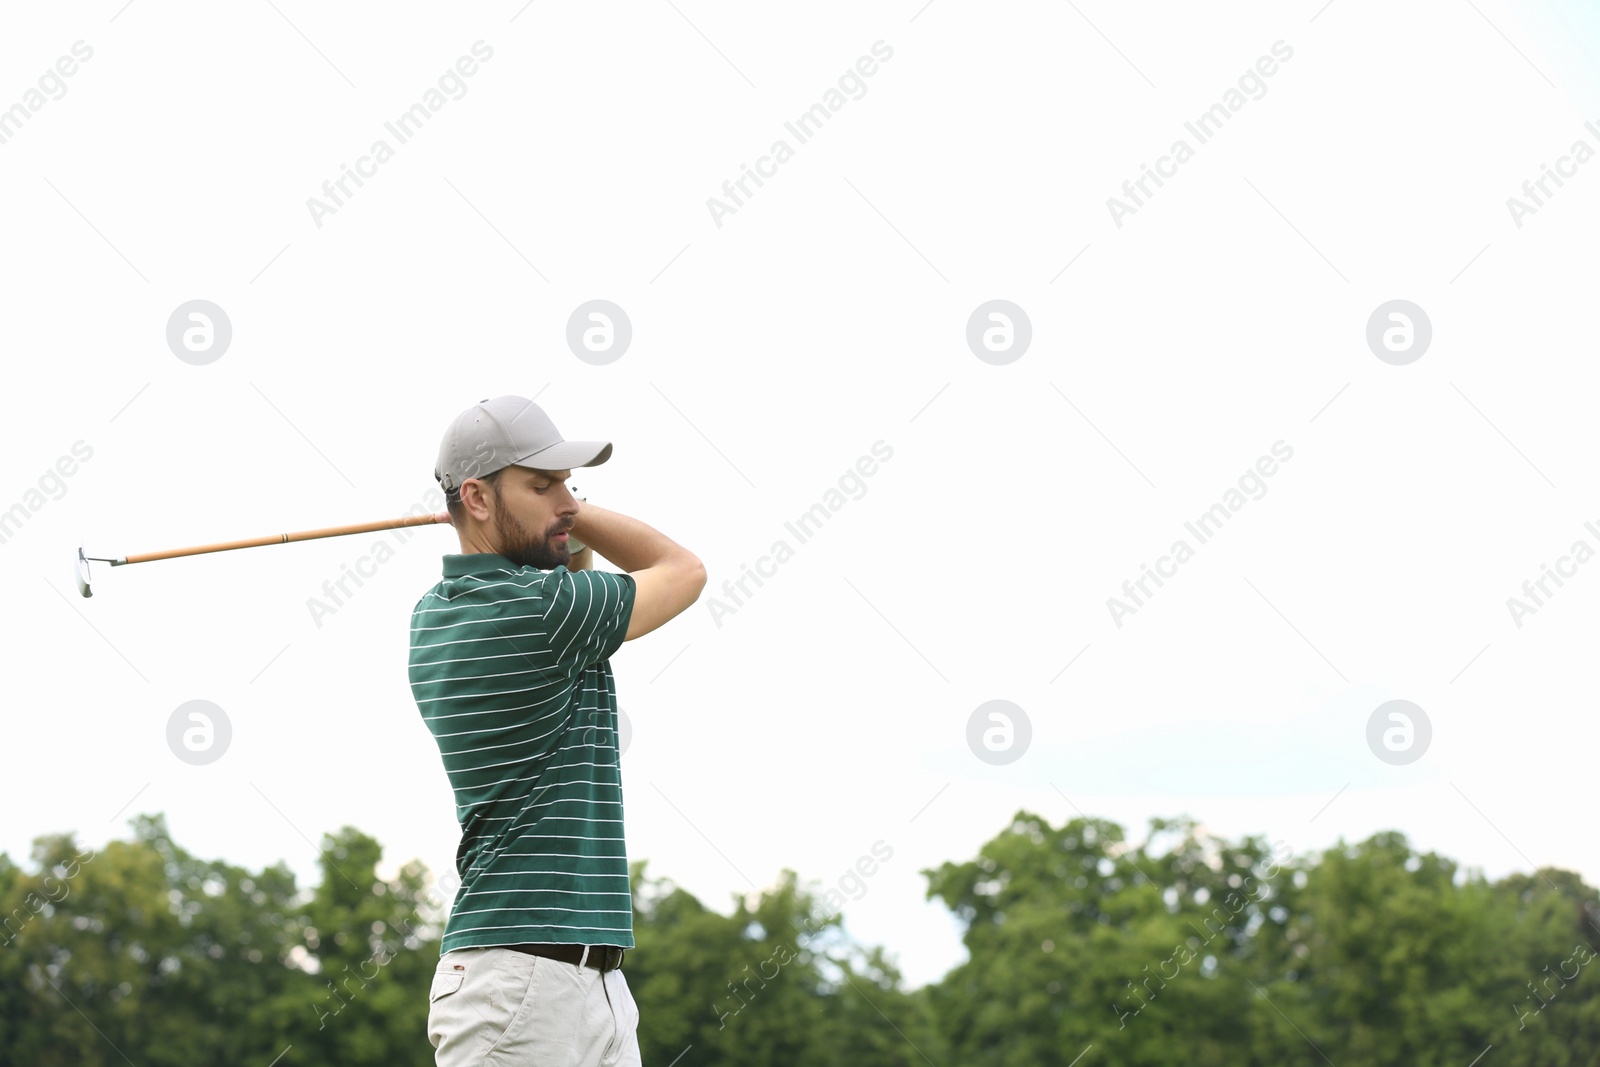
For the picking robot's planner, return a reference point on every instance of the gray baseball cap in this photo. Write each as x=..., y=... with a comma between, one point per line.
x=506, y=431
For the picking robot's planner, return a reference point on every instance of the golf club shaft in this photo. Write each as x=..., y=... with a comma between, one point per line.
x=304, y=535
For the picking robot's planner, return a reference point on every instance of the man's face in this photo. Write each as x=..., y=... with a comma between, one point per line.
x=533, y=508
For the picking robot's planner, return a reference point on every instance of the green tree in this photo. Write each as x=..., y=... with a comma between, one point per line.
x=145, y=952
x=1076, y=938
x=775, y=982
x=1544, y=986
x=142, y=949
x=1185, y=948
x=1211, y=952
x=363, y=953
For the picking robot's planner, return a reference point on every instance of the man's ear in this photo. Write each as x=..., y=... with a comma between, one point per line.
x=475, y=498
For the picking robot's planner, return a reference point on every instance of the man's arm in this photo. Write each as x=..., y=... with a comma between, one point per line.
x=667, y=577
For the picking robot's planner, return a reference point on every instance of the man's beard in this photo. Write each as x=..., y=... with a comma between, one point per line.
x=526, y=550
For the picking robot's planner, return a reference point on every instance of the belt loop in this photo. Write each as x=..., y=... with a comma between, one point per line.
x=582, y=960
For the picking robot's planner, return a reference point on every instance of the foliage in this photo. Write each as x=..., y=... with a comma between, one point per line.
x=1184, y=948
x=1190, y=949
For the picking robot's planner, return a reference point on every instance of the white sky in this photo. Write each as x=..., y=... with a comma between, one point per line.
x=827, y=314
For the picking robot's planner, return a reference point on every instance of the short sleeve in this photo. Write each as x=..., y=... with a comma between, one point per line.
x=588, y=615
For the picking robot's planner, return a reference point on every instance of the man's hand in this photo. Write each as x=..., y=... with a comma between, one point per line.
x=668, y=577
x=581, y=557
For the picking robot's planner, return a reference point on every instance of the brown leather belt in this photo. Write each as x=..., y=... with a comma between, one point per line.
x=601, y=957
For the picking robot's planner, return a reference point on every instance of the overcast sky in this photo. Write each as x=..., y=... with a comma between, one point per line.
x=1215, y=340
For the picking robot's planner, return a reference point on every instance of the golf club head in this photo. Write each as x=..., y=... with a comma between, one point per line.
x=83, y=574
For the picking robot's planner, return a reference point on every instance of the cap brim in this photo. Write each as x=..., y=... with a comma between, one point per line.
x=567, y=455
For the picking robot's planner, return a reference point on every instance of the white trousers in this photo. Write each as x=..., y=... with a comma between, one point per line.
x=496, y=1006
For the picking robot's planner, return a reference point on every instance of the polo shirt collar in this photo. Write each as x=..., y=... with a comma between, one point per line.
x=459, y=565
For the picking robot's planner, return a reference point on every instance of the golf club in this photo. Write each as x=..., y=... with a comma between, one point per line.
x=254, y=542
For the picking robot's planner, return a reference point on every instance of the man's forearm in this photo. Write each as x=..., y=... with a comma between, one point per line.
x=627, y=542
x=581, y=560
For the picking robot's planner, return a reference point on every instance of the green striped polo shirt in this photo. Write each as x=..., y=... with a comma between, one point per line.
x=510, y=669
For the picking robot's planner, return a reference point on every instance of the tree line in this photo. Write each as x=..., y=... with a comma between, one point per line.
x=1083, y=947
